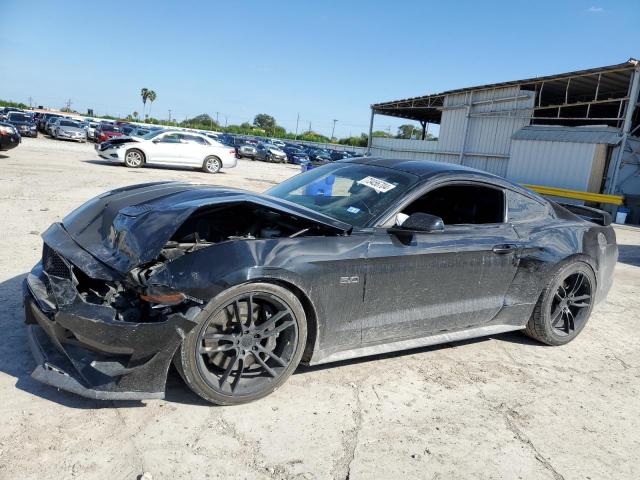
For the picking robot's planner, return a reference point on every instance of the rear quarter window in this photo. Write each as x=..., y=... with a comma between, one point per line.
x=521, y=208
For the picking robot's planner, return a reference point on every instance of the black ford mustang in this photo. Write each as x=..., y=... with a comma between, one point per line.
x=358, y=257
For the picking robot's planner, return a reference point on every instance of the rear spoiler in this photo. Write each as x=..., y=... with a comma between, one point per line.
x=590, y=214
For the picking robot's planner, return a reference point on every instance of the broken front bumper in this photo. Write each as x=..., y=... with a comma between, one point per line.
x=82, y=348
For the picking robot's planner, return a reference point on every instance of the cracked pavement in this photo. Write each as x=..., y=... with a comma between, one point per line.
x=499, y=407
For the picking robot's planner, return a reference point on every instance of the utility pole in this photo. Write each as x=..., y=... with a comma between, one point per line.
x=30, y=102
x=297, y=120
x=68, y=105
x=225, y=121
x=309, y=125
x=217, y=118
x=334, y=128
x=169, y=115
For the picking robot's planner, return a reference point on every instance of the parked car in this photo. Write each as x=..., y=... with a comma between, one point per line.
x=171, y=148
x=91, y=130
x=269, y=153
x=24, y=124
x=276, y=142
x=296, y=156
x=140, y=131
x=238, y=288
x=9, y=136
x=44, y=120
x=105, y=131
x=65, y=129
x=5, y=111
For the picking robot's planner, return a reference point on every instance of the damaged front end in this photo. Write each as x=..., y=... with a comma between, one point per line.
x=124, y=277
x=97, y=333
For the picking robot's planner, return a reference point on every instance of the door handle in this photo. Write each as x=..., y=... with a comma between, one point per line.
x=504, y=248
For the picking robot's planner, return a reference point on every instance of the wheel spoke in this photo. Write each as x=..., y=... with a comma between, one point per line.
x=582, y=297
x=262, y=363
x=238, y=375
x=283, y=326
x=250, y=310
x=218, y=348
x=580, y=304
x=577, y=284
x=271, y=321
x=272, y=355
x=219, y=336
x=227, y=371
x=570, y=321
x=236, y=312
x=556, y=317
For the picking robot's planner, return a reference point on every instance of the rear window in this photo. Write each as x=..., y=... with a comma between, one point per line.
x=19, y=117
x=522, y=208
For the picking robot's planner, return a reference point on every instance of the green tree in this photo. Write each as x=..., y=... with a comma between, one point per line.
x=152, y=98
x=408, y=131
x=144, y=93
x=380, y=133
x=264, y=121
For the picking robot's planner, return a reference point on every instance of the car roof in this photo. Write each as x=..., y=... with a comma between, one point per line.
x=420, y=168
x=426, y=169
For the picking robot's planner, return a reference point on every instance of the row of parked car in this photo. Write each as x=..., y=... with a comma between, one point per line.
x=59, y=126
x=279, y=151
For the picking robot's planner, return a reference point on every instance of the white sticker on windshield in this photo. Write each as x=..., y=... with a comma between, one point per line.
x=353, y=209
x=378, y=185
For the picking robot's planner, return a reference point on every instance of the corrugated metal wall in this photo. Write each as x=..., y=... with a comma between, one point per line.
x=475, y=130
x=553, y=164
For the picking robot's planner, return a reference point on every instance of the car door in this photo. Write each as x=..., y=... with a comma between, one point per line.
x=421, y=284
x=192, y=152
x=163, y=148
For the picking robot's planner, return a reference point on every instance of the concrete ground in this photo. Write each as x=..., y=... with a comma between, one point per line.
x=500, y=407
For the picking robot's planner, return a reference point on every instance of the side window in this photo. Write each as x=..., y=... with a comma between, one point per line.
x=462, y=204
x=522, y=209
x=170, y=138
x=193, y=139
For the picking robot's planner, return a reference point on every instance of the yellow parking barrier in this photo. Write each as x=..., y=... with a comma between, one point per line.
x=576, y=194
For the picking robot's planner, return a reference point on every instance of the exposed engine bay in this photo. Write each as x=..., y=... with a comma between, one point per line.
x=205, y=227
x=242, y=221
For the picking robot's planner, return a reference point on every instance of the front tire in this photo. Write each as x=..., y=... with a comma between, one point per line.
x=212, y=165
x=134, y=158
x=564, y=306
x=248, y=341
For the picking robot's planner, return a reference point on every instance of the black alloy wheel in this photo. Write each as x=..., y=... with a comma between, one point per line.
x=571, y=304
x=246, y=346
x=564, y=305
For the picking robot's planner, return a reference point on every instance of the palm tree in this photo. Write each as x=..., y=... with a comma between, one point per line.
x=135, y=115
x=144, y=93
x=151, y=96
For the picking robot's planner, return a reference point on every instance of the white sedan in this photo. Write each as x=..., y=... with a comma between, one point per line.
x=170, y=148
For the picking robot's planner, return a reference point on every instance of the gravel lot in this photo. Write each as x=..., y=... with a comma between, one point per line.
x=501, y=407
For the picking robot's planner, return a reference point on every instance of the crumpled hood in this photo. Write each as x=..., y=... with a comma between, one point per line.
x=129, y=226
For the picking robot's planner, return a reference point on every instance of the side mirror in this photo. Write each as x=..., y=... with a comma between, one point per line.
x=419, y=223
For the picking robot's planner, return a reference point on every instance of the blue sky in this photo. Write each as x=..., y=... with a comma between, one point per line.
x=324, y=60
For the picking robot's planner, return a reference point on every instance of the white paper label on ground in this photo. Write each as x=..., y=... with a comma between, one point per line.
x=378, y=185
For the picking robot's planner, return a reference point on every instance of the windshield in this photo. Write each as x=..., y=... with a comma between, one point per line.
x=67, y=123
x=19, y=117
x=349, y=192
x=152, y=134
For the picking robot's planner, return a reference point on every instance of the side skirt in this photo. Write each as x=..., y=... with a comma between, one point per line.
x=446, y=337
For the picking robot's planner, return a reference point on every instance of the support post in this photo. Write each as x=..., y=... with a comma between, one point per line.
x=634, y=90
x=369, y=140
x=424, y=129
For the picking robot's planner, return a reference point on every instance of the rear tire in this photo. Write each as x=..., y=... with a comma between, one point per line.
x=211, y=165
x=564, y=305
x=232, y=357
x=134, y=158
